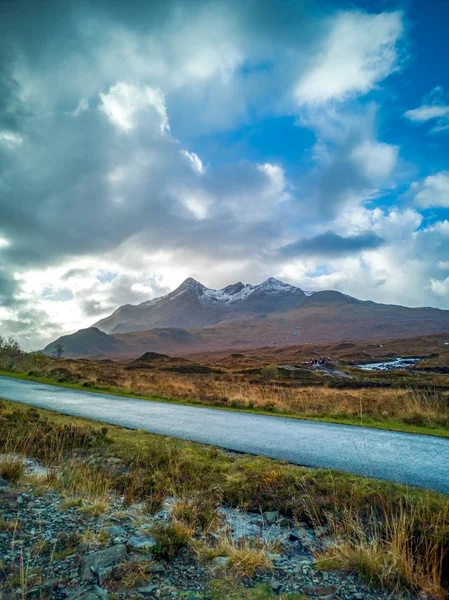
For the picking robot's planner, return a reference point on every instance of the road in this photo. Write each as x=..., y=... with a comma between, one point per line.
x=406, y=458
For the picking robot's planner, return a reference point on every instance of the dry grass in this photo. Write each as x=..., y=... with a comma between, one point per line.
x=197, y=513
x=11, y=468
x=423, y=407
x=131, y=573
x=246, y=557
x=78, y=479
x=397, y=546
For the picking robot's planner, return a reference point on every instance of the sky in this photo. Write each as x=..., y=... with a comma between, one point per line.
x=227, y=140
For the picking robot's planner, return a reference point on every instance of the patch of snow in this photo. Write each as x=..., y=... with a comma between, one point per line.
x=308, y=293
x=222, y=296
x=227, y=295
x=273, y=285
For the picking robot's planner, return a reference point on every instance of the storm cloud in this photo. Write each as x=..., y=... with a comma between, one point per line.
x=332, y=244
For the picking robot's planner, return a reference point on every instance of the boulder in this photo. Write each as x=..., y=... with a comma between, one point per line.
x=141, y=543
x=93, y=564
x=93, y=592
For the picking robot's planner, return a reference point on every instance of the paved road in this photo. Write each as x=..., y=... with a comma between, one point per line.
x=412, y=459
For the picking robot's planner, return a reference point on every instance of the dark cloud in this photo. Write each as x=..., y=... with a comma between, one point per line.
x=8, y=289
x=331, y=244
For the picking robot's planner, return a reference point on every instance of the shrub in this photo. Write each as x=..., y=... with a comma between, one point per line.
x=269, y=372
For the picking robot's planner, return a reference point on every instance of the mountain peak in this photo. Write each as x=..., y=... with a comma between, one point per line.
x=275, y=285
x=191, y=283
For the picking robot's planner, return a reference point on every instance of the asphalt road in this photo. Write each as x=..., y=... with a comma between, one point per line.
x=406, y=458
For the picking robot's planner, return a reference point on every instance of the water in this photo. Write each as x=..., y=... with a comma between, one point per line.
x=388, y=365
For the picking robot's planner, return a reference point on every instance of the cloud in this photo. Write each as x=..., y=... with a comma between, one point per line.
x=332, y=244
x=125, y=103
x=435, y=108
x=8, y=288
x=114, y=185
x=432, y=192
x=359, y=51
x=350, y=164
x=426, y=113
x=82, y=106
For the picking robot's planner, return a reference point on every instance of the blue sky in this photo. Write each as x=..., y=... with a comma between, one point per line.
x=226, y=141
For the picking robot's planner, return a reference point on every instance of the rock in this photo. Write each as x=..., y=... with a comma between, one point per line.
x=4, y=485
x=155, y=568
x=148, y=589
x=115, y=531
x=274, y=557
x=295, y=535
x=141, y=542
x=43, y=590
x=321, y=531
x=94, y=563
x=93, y=592
x=271, y=516
x=276, y=585
x=320, y=592
x=221, y=562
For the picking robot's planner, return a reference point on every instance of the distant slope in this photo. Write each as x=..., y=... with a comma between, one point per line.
x=87, y=342
x=324, y=317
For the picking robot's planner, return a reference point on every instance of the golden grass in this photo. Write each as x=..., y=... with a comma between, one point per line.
x=383, y=545
x=246, y=557
x=11, y=468
x=131, y=573
x=420, y=407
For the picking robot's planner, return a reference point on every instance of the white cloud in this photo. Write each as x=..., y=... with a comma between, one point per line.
x=435, y=108
x=125, y=103
x=10, y=139
x=426, y=112
x=377, y=160
x=359, y=51
x=433, y=191
x=195, y=161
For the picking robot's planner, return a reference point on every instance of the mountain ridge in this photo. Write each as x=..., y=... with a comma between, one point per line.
x=193, y=318
x=195, y=305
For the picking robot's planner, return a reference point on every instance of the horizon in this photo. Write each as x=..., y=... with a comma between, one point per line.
x=225, y=141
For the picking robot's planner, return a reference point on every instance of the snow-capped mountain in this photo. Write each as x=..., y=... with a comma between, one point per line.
x=194, y=318
x=194, y=305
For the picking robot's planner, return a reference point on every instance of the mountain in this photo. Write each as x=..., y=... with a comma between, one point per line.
x=87, y=342
x=194, y=319
x=192, y=305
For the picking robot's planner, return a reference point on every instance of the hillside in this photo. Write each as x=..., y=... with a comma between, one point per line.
x=195, y=319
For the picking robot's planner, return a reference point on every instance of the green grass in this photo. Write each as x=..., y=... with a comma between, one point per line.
x=387, y=425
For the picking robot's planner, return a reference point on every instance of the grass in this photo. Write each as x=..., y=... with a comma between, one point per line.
x=405, y=410
x=170, y=538
x=229, y=589
x=402, y=532
x=11, y=468
x=132, y=573
x=383, y=549
x=245, y=557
